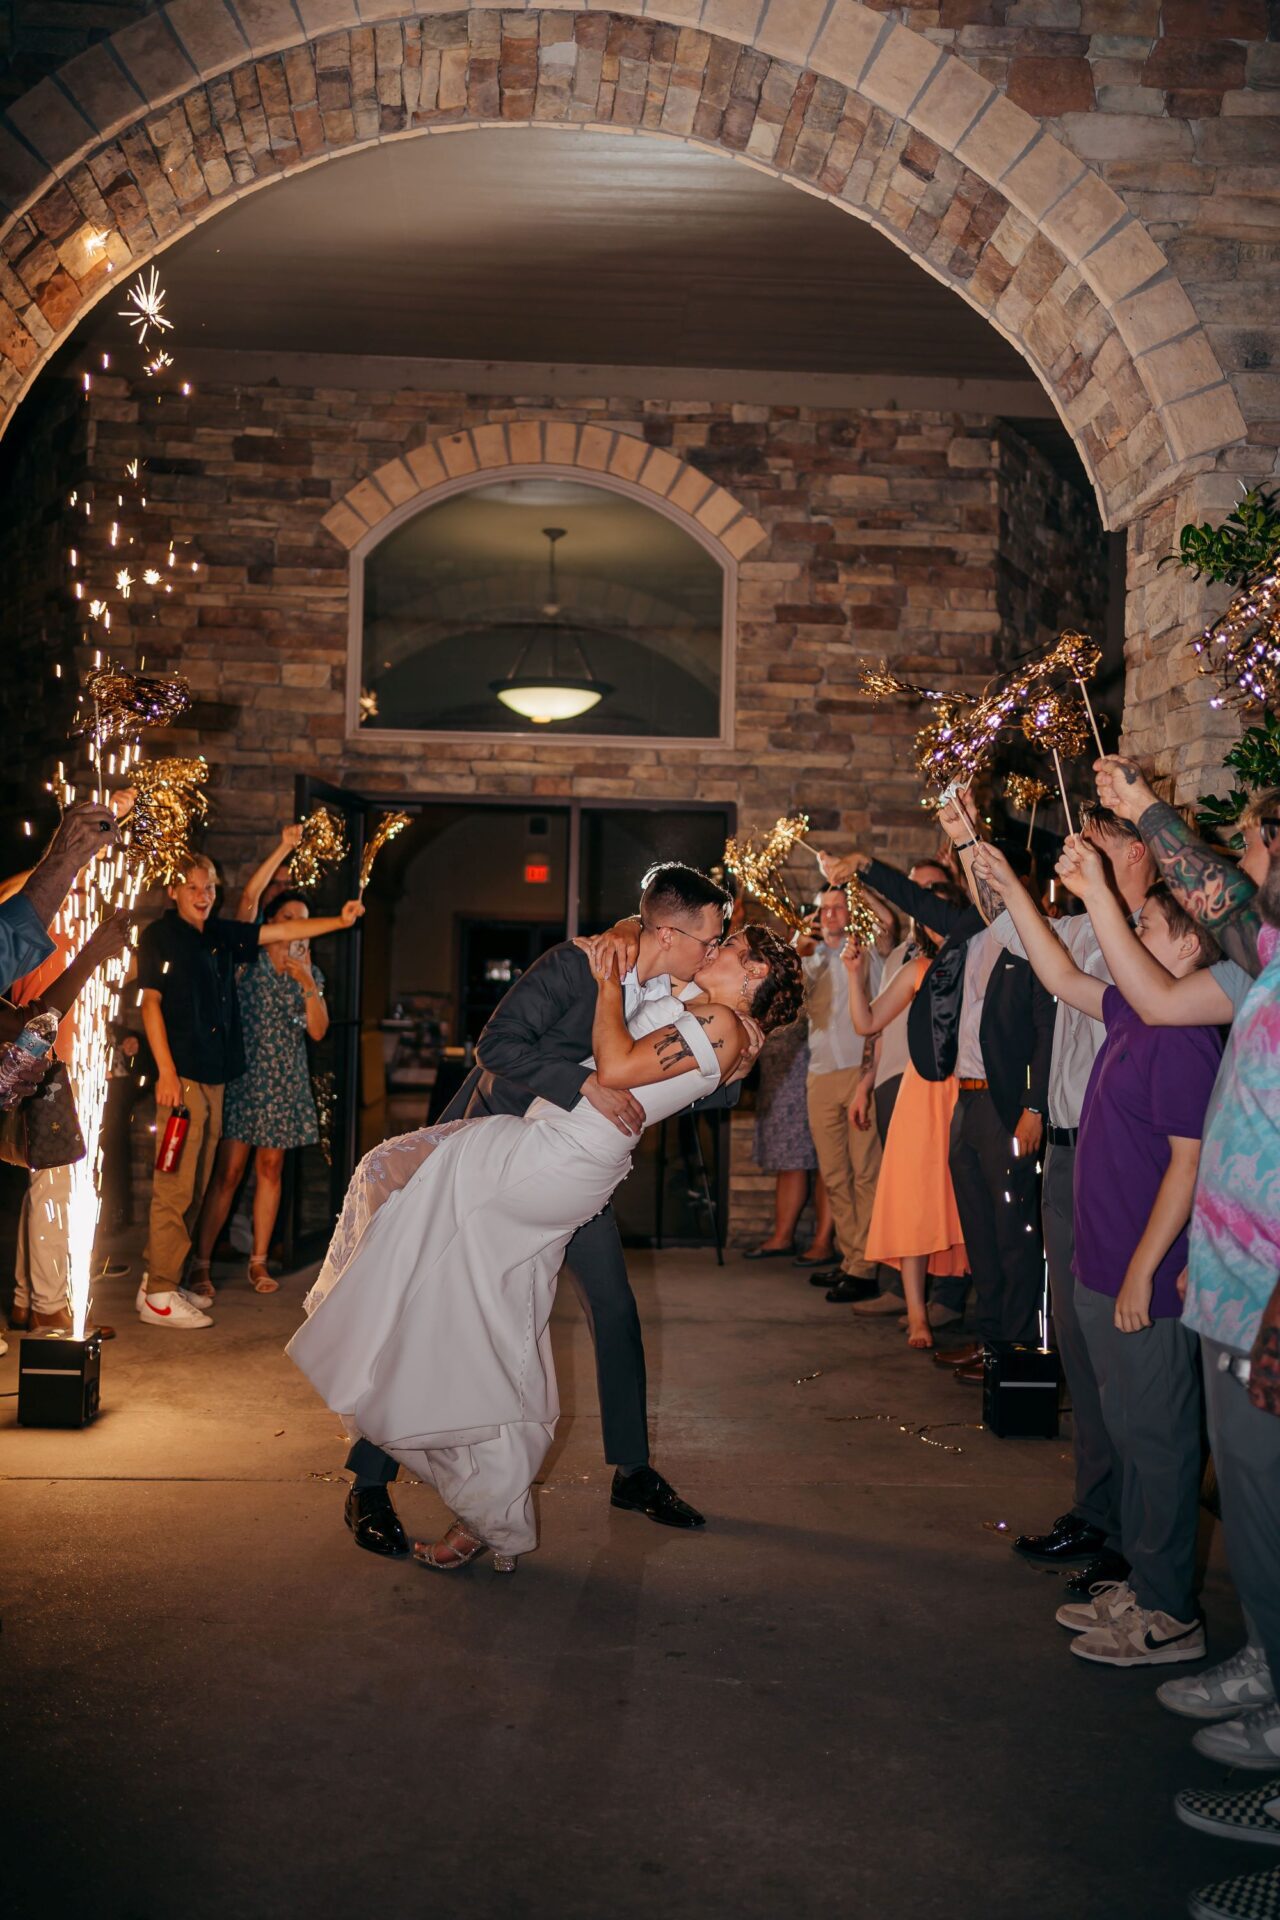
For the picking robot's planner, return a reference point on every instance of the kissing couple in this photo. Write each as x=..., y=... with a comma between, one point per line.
x=428, y=1328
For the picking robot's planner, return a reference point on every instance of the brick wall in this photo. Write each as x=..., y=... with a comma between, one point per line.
x=884, y=536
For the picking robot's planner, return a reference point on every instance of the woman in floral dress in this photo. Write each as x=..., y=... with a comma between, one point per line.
x=270, y=1108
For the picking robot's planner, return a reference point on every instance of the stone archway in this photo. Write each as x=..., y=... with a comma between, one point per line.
x=140, y=138
x=600, y=454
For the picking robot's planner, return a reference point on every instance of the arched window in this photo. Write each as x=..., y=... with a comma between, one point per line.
x=544, y=604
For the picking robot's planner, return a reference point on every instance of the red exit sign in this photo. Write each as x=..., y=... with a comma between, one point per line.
x=536, y=873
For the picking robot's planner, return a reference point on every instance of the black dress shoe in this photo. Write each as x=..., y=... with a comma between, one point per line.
x=826, y=1276
x=1109, y=1565
x=648, y=1493
x=1069, y=1538
x=374, y=1522
x=847, y=1289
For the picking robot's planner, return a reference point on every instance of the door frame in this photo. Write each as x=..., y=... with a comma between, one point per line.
x=356, y=802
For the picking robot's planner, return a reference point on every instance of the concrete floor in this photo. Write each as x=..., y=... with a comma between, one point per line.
x=844, y=1698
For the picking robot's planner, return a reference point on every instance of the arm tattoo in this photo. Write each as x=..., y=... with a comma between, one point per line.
x=704, y=1020
x=1211, y=888
x=990, y=905
x=671, y=1048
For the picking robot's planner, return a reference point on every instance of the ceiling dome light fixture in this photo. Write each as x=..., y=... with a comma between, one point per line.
x=535, y=688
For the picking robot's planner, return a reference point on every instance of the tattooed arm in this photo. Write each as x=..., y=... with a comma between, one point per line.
x=624, y=1062
x=1209, y=885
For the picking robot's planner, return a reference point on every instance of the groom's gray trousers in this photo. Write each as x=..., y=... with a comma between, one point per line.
x=599, y=1273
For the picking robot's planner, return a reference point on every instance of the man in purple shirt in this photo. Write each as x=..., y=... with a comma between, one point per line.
x=1135, y=1173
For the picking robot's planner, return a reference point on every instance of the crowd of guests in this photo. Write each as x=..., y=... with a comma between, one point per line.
x=1093, y=1098
x=228, y=1006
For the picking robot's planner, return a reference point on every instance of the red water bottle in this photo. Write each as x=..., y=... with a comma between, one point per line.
x=175, y=1134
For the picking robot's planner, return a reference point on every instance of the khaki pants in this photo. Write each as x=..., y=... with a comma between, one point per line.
x=849, y=1162
x=176, y=1197
x=41, y=1266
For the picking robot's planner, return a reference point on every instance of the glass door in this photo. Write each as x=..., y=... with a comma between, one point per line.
x=316, y=1177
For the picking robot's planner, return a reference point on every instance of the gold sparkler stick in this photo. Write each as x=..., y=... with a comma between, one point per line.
x=1024, y=791
x=323, y=844
x=1081, y=658
x=1055, y=723
x=387, y=828
x=169, y=801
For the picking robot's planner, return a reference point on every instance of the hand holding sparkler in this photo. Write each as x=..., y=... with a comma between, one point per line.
x=321, y=843
x=991, y=866
x=839, y=869
x=1122, y=788
x=1080, y=868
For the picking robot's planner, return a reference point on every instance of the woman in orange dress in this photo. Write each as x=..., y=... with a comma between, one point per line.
x=915, y=1225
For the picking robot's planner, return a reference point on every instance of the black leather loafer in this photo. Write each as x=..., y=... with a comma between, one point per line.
x=826, y=1276
x=1109, y=1565
x=848, y=1289
x=374, y=1522
x=1070, y=1538
x=648, y=1493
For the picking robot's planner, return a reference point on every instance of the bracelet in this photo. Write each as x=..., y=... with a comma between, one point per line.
x=962, y=846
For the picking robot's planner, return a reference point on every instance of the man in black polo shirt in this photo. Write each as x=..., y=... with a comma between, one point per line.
x=187, y=964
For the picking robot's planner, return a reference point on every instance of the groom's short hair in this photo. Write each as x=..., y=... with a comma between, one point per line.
x=671, y=887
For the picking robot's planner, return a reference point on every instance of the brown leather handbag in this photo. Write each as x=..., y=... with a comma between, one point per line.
x=43, y=1130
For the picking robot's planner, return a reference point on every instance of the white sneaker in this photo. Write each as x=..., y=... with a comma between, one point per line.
x=1106, y=1599
x=1142, y=1637
x=171, y=1310
x=1222, y=1692
x=192, y=1299
x=879, y=1303
x=1251, y=1741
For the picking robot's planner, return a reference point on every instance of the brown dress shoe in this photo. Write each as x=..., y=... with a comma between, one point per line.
x=971, y=1375
x=957, y=1356
x=19, y=1319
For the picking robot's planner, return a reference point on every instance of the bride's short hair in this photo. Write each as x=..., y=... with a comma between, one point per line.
x=779, y=997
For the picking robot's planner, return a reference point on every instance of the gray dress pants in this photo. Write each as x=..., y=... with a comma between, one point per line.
x=1246, y=1453
x=997, y=1203
x=1149, y=1384
x=1097, y=1488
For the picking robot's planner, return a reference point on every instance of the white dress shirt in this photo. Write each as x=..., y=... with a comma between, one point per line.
x=979, y=965
x=834, y=1046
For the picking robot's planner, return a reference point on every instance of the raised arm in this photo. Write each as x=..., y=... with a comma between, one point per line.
x=624, y=1062
x=958, y=821
x=256, y=885
x=1155, y=996
x=108, y=939
x=1053, y=965
x=1212, y=888
x=872, y=1016
x=276, y=930
x=940, y=916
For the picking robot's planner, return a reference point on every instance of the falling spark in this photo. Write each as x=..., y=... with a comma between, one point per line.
x=124, y=581
x=158, y=363
x=151, y=578
x=146, y=308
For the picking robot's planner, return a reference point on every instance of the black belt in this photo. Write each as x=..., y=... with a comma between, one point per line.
x=1063, y=1136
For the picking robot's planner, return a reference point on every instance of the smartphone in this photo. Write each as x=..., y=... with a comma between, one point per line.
x=298, y=949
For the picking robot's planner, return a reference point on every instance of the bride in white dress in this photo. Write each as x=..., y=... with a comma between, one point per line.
x=428, y=1324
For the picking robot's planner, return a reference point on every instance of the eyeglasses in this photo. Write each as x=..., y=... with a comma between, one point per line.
x=708, y=946
x=1268, y=827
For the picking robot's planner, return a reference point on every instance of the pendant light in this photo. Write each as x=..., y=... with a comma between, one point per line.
x=536, y=688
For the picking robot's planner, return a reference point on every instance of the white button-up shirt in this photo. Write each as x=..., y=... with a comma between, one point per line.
x=834, y=1046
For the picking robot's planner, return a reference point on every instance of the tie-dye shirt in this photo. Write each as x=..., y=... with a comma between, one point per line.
x=1235, y=1225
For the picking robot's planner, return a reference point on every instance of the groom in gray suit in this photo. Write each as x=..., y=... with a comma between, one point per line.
x=535, y=1043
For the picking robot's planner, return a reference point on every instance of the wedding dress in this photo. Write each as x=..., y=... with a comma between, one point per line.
x=428, y=1324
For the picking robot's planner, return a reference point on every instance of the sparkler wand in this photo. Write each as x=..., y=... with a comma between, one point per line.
x=1081, y=657
x=387, y=828
x=1025, y=792
x=1054, y=722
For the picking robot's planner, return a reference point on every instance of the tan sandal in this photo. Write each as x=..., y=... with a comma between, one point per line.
x=260, y=1279
x=199, y=1281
